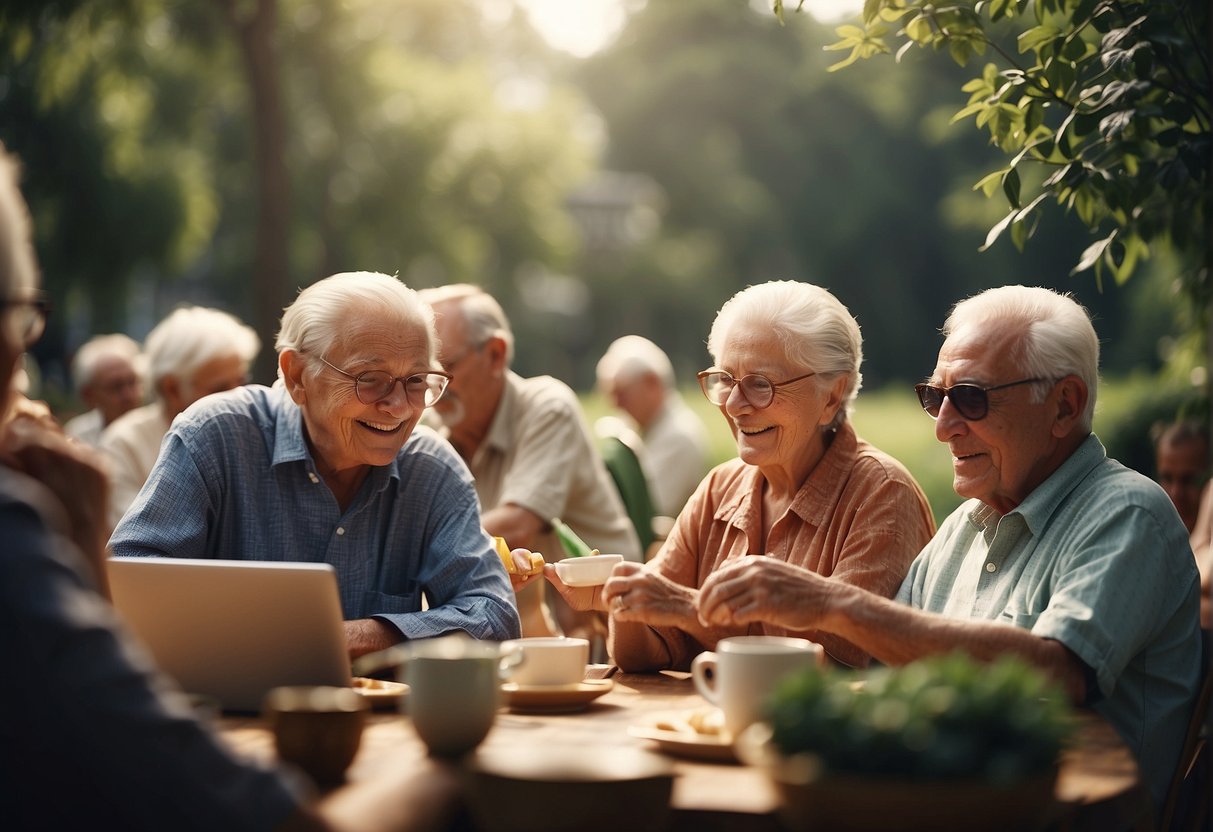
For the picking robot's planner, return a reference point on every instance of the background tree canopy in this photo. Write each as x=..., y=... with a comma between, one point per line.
x=442, y=140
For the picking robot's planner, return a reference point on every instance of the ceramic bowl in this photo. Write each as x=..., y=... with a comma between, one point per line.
x=588, y=571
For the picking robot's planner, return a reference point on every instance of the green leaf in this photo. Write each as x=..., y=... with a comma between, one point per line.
x=1093, y=252
x=990, y=182
x=997, y=230
x=1037, y=37
x=1010, y=187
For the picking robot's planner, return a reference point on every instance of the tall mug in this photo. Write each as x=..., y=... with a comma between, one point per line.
x=741, y=675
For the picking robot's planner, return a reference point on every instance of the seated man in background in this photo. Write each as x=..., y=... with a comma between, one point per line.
x=326, y=466
x=527, y=445
x=193, y=352
x=106, y=377
x=1061, y=556
x=1181, y=464
x=638, y=378
x=94, y=737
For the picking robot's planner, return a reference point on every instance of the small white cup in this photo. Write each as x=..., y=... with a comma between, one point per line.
x=591, y=570
x=549, y=661
x=741, y=675
x=454, y=691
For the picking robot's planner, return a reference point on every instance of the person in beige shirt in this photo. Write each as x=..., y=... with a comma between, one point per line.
x=528, y=447
x=193, y=352
x=804, y=490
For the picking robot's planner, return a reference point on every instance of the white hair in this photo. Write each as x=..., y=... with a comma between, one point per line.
x=483, y=317
x=632, y=357
x=189, y=337
x=98, y=348
x=323, y=311
x=18, y=264
x=813, y=326
x=1058, y=338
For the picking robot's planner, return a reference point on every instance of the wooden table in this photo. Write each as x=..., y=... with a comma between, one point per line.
x=1099, y=786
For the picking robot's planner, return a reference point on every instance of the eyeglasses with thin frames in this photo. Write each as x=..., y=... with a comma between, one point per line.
x=971, y=401
x=421, y=389
x=26, y=317
x=757, y=389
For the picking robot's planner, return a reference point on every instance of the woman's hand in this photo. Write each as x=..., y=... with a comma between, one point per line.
x=758, y=588
x=579, y=598
x=636, y=594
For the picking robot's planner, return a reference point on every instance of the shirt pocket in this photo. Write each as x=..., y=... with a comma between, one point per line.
x=1024, y=620
x=406, y=599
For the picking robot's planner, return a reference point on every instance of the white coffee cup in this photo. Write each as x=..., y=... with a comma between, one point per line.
x=549, y=661
x=454, y=690
x=743, y=671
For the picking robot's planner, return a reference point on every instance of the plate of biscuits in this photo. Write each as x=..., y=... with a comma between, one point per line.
x=698, y=734
x=381, y=692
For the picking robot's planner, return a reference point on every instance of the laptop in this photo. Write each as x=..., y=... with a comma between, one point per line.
x=233, y=629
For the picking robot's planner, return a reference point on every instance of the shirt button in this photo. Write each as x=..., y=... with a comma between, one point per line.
x=990, y=567
x=340, y=531
x=312, y=476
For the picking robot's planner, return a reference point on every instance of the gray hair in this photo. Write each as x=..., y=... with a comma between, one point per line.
x=483, y=317
x=813, y=326
x=18, y=264
x=98, y=348
x=190, y=337
x=322, y=311
x=1058, y=339
x=632, y=357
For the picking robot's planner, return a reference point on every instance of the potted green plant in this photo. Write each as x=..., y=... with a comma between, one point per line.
x=943, y=743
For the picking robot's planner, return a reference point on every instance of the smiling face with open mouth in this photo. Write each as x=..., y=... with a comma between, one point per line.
x=784, y=439
x=344, y=432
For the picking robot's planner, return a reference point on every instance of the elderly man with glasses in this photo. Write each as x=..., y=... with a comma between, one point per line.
x=329, y=465
x=805, y=493
x=1060, y=556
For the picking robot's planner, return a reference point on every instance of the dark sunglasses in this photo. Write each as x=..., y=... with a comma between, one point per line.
x=971, y=402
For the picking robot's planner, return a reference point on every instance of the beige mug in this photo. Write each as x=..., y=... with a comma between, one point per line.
x=743, y=671
x=549, y=660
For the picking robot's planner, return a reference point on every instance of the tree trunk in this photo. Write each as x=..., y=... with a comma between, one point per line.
x=255, y=25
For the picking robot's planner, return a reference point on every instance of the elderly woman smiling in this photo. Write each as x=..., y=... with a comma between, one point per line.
x=329, y=465
x=805, y=493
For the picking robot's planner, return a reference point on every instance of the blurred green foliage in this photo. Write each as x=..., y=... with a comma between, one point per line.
x=940, y=717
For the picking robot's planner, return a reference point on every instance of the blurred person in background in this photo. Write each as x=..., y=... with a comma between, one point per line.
x=528, y=447
x=805, y=495
x=637, y=377
x=105, y=373
x=95, y=737
x=194, y=352
x=1181, y=465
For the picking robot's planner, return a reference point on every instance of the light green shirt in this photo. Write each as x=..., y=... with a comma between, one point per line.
x=1097, y=559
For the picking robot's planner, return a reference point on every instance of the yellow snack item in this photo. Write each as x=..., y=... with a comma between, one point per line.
x=503, y=551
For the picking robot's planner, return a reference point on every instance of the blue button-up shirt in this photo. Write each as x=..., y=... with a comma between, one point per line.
x=235, y=479
x=1097, y=559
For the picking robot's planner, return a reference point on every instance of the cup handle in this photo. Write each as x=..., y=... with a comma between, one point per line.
x=511, y=658
x=703, y=673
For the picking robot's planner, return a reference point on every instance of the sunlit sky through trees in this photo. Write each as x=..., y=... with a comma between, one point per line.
x=582, y=27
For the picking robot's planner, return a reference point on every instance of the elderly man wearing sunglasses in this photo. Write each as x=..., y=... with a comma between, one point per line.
x=804, y=495
x=1060, y=556
x=330, y=466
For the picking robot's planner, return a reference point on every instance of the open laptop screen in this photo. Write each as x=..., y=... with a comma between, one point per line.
x=233, y=629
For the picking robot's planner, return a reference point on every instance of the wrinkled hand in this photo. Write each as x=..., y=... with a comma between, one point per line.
x=73, y=472
x=636, y=594
x=756, y=588
x=522, y=563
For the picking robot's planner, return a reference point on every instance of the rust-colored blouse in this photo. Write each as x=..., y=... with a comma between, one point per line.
x=859, y=517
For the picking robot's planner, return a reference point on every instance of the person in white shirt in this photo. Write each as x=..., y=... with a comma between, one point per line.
x=193, y=352
x=638, y=378
x=105, y=374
